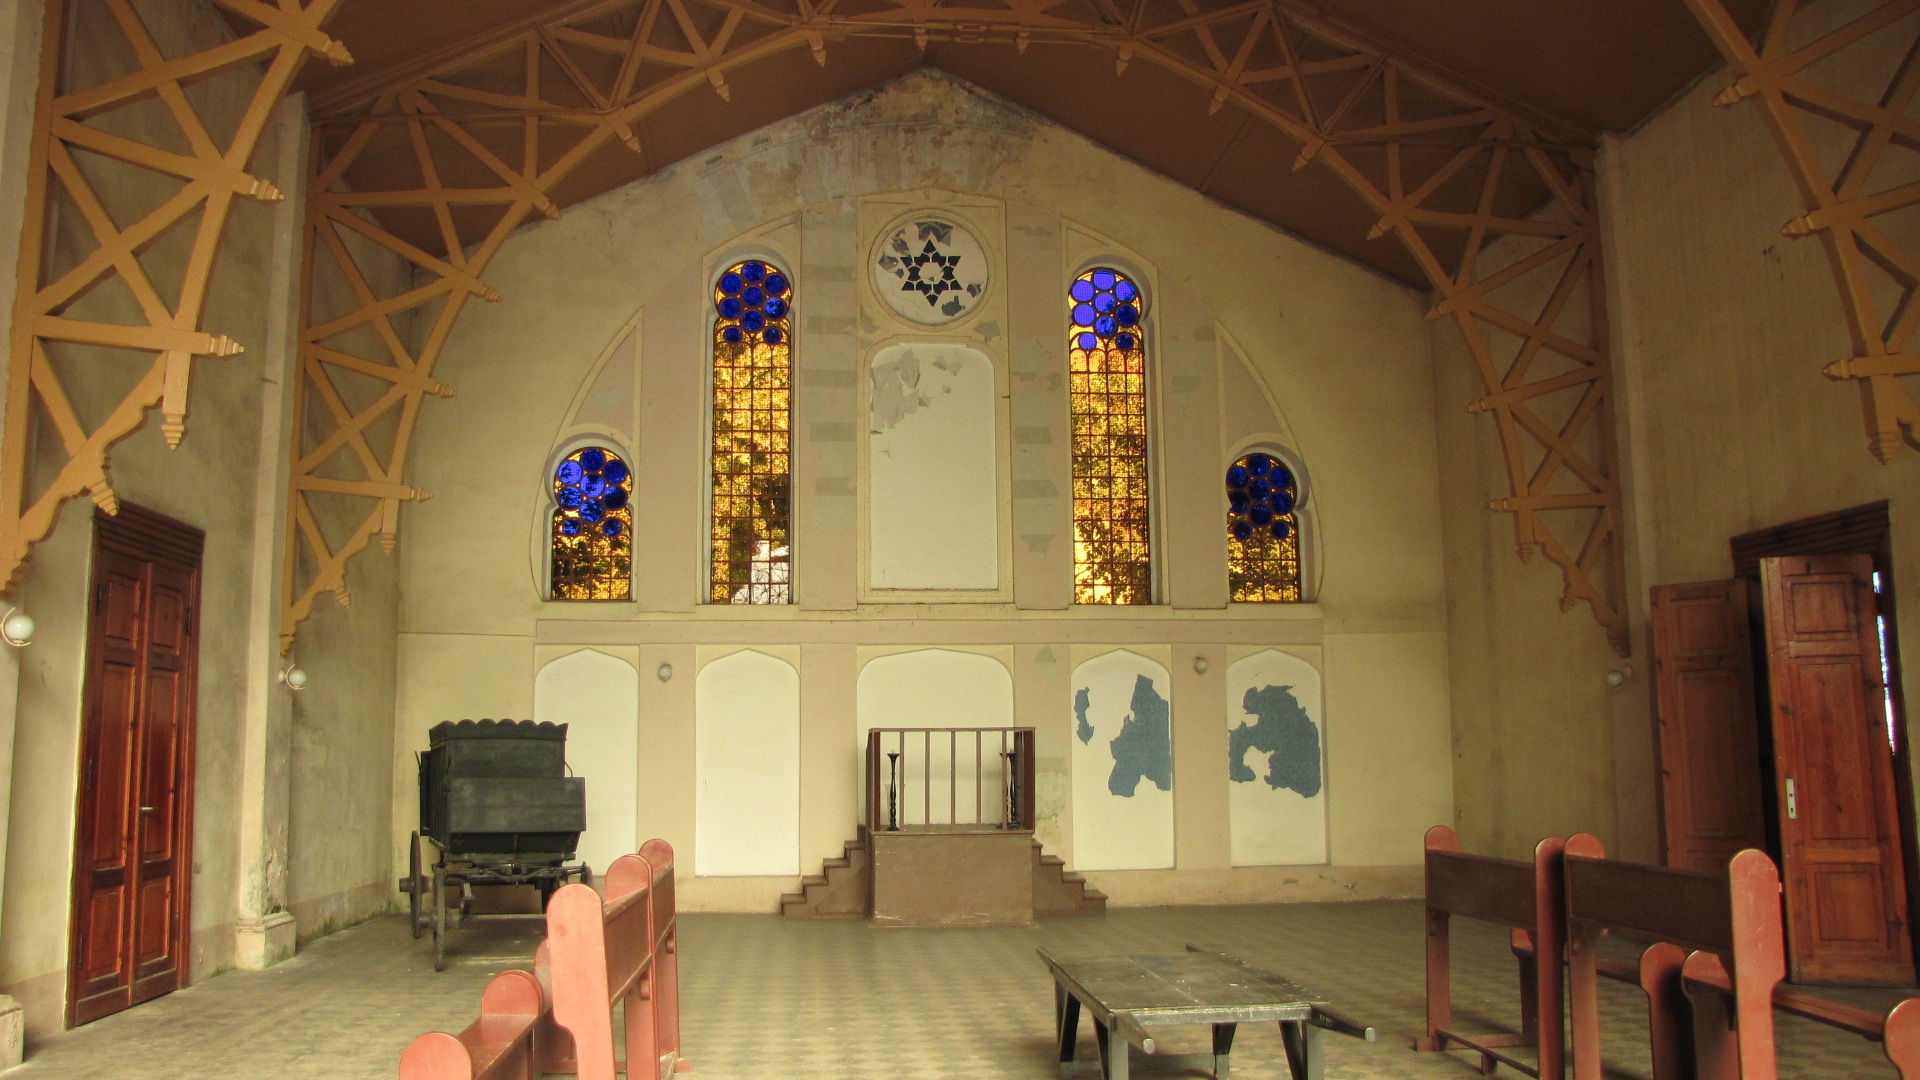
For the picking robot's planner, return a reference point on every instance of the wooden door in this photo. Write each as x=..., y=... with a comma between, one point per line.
x=1833, y=761
x=132, y=862
x=1710, y=765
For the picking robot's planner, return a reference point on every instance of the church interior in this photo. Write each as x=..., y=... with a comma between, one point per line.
x=1218, y=440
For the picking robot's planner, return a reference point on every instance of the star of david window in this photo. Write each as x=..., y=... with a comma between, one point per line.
x=592, y=549
x=930, y=271
x=752, y=448
x=1263, y=530
x=1107, y=392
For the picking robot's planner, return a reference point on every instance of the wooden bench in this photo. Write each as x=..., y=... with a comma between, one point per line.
x=513, y=1039
x=1526, y=899
x=618, y=951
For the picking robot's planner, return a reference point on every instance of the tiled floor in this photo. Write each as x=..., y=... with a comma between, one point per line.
x=772, y=999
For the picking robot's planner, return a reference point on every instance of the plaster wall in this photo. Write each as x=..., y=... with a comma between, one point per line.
x=1341, y=355
x=212, y=481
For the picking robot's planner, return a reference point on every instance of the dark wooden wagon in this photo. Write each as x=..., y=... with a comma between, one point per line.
x=496, y=808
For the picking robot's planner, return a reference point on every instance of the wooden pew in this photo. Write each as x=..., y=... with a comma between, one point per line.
x=1526, y=900
x=512, y=1040
x=1735, y=993
x=618, y=952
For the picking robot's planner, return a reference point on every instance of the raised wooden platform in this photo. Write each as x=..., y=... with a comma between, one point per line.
x=845, y=886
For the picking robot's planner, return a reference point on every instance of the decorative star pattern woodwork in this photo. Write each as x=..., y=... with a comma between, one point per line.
x=94, y=300
x=1859, y=219
x=1495, y=203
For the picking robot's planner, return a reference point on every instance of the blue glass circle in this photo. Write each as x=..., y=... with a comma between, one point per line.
x=615, y=472
x=1104, y=326
x=592, y=459
x=1282, y=476
x=1242, y=530
x=569, y=498
x=729, y=307
x=1103, y=303
x=1282, y=502
x=1124, y=290
x=614, y=499
x=1082, y=290
x=731, y=335
x=730, y=283
x=753, y=296
x=772, y=336
x=1104, y=279
x=569, y=472
x=1257, y=488
x=1257, y=514
x=1259, y=464
x=1237, y=476
x=590, y=510
x=776, y=284
x=1087, y=342
x=1083, y=315
x=752, y=322
x=593, y=487
x=1127, y=315
x=1281, y=530
x=1237, y=500
x=611, y=527
x=1123, y=342
x=570, y=526
x=775, y=308
x=753, y=271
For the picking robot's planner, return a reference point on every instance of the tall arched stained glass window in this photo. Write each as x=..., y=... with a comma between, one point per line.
x=752, y=420
x=592, y=527
x=1263, y=531
x=1107, y=360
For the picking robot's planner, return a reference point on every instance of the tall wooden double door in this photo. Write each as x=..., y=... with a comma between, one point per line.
x=1798, y=763
x=133, y=860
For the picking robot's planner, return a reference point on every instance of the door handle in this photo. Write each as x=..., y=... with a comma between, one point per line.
x=146, y=809
x=1793, y=808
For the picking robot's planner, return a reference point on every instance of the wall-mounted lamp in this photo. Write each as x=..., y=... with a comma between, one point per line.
x=16, y=628
x=665, y=672
x=1200, y=665
x=294, y=676
x=1618, y=677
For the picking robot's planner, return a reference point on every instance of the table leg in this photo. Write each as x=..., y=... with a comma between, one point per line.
x=1304, y=1056
x=1066, y=1009
x=1222, y=1046
x=1113, y=1052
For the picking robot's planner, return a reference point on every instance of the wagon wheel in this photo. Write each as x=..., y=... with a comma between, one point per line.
x=439, y=895
x=413, y=886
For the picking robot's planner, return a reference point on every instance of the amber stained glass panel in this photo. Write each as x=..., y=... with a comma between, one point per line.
x=592, y=527
x=1263, y=531
x=1107, y=355
x=752, y=447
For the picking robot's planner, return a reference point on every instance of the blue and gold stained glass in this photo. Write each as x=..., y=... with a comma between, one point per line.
x=1107, y=365
x=592, y=527
x=752, y=421
x=1263, y=531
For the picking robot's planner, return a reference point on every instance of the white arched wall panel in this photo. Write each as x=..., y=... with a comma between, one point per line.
x=747, y=767
x=1122, y=764
x=598, y=697
x=1276, y=751
x=938, y=688
x=933, y=469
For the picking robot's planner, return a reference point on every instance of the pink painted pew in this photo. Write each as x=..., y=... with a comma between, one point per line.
x=513, y=1039
x=618, y=951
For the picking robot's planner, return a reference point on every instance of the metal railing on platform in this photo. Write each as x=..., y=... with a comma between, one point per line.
x=921, y=779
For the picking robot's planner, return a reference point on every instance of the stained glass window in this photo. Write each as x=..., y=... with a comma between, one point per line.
x=592, y=527
x=1107, y=358
x=752, y=419
x=1263, y=531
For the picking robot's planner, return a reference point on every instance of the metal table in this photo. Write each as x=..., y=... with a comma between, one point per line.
x=1128, y=995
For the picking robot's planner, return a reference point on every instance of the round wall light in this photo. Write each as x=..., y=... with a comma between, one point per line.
x=17, y=628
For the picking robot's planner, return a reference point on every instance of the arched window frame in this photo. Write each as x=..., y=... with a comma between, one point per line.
x=1305, y=514
x=551, y=512
x=769, y=582
x=1147, y=344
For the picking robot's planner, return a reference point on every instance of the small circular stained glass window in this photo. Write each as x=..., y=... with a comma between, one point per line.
x=1263, y=530
x=591, y=554
x=930, y=270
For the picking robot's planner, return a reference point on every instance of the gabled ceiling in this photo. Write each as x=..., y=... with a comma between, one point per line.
x=1204, y=96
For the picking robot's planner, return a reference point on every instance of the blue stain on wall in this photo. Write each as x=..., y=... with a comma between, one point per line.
x=1144, y=747
x=1085, y=728
x=1285, y=733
